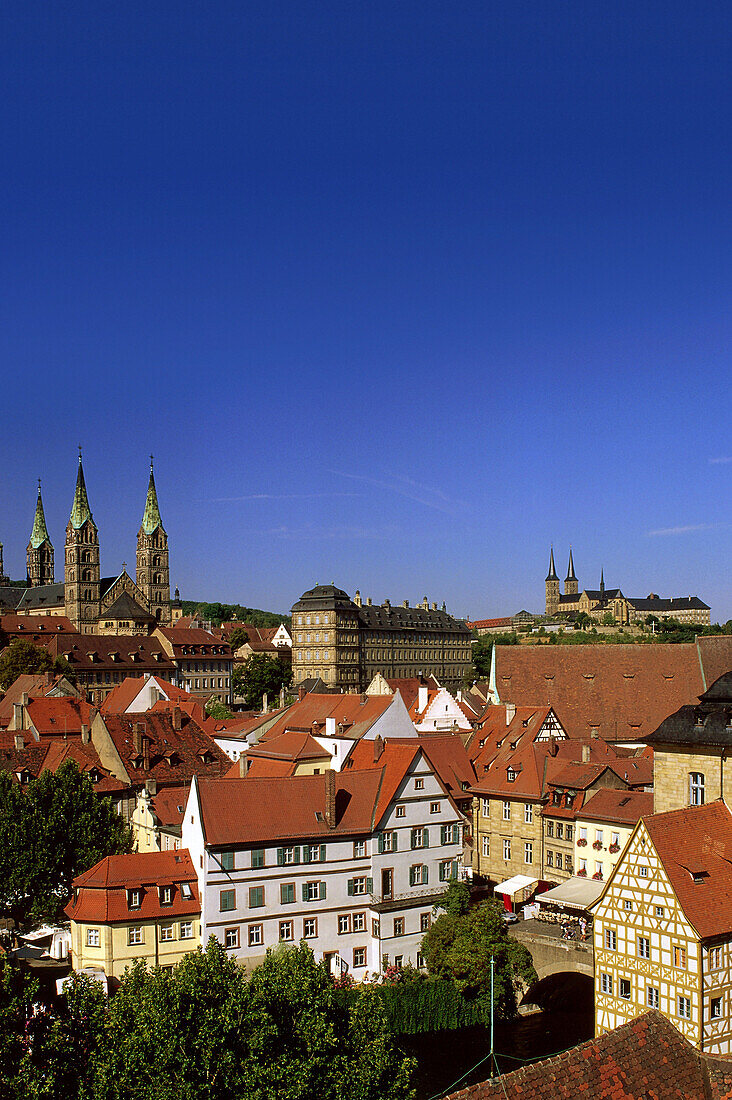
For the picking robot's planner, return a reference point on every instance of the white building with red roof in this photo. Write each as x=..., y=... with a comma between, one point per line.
x=350, y=861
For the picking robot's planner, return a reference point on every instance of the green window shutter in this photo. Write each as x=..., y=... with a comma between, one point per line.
x=425, y=838
x=369, y=886
x=454, y=869
x=350, y=887
x=381, y=843
x=443, y=834
x=394, y=842
x=414, y=838
x=322, y=853
x=304, y=891
x=425, y=874
x=297, y=855
x=411, y=876
x=305, y=854
x=280, y=857
x=322, y=890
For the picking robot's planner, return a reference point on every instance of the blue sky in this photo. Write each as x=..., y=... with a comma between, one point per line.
x=398, y=294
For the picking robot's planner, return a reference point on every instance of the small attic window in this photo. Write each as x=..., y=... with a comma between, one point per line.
x=699, y=877
x=319, y=816
x=624, y=802
x=185, y=889
x=511, y=775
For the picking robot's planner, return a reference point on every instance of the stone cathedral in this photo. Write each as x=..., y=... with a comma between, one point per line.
x=95, y=604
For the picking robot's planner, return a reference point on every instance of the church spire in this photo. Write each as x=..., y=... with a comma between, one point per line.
x=39, y=534
x=570, y=568
x=602, y=580
x=151, y=516
x=552, y=575
x=80, y=511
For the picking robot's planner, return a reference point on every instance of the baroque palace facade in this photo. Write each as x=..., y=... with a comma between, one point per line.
x=598, y=602
x=95, y=604
x=345, y=642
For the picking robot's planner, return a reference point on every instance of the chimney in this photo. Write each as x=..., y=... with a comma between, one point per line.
x=243, y=765
x=177, y=718
x=378, y=747
x=422, y=696
x=553, y=746
x=85, y=734
x=264, y=702
x=19, y=742
x=17, y=723
x=24, y=699
x=330, y=798
x=151, y=787
x=585, y=754
x=330, y=726
x=301, y=694
x=510, y=713
x=146, y=753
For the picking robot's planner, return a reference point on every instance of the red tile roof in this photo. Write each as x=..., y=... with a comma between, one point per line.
x=56, y=717
x=175, y=756
x=95, y=652
x=623, y=691
x=490, y=624
x=87, y=760
x=101, y=893
x=356, y=713
x=35, y=626
x=33, y=686
x=698, y=840
x=645, y=1059
x=169, y=804
x=122, y=695
x=618, y=807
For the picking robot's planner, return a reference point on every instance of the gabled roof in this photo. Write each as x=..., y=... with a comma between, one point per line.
x=92, y=652
x=101, y=893
x=249, y=811
x=87, y=760
x=698, y=839
x=622, y=691
x=57, y=717
x=645, y=1059
x=355, y=714
x=34, y=686
x=618, y=807
x=42, y=597
x=450, y=760
x=169, y=805
x=124, y=607
x=124, y=694
x=175, y=756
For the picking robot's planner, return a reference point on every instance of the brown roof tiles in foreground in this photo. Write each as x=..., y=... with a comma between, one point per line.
x=101, y=893
x=645, y=1059
x=618, y=807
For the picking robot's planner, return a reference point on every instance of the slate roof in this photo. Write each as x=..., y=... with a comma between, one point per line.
x=708, y=723
x=706, y=847
x=676, y=603
x=622, y=691
x=386, y=617
x=124, y=607
x=10, y=596
x=42, y=597
x=645, y=1059
x=101, y=893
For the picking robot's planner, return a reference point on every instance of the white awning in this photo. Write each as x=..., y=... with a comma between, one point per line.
x=515, y=885
x=575, y=893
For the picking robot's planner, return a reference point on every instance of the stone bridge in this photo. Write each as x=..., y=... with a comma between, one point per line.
x=552, y=954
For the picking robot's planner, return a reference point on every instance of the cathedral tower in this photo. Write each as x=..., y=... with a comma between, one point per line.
x=81, y=567
x=552, y=587
x=571, y=584
x=39, y=552
x=153, y=568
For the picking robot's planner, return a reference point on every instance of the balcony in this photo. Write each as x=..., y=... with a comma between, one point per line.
x=419, y=895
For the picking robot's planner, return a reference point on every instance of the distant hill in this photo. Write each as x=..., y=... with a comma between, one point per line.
x=218, y=613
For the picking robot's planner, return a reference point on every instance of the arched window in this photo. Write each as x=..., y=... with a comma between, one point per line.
x=86, y=575
x=696, y=788
x=156, y=560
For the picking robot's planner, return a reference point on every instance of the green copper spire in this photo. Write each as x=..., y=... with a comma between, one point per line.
x=151, y=516
x=39, y=534
x=80, y=511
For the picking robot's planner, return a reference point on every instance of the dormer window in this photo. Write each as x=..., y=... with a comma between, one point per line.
x=166, y=895
x=186, y=891
x=511, y=775
x=699, y=877
x=134, y=899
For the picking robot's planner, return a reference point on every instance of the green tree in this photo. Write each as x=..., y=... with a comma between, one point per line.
x=459, y=947
x=260, y=673
x=51, y=831
x=216, y=709
x=209, y=1032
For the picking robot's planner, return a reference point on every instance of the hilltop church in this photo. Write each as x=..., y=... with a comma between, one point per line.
x=597, y=602
x=95, y=604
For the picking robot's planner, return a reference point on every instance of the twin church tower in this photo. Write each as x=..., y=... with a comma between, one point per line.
x=90, y=601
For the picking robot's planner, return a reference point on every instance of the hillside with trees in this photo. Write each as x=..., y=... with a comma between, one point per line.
x=218, y=613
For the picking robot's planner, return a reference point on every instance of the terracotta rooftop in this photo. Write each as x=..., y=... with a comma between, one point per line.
x=174, y=756
x=58, y=716
x=94, y=652
x=697, y=842
x=34, y=686
x=645, y=1059
x=355, y=713
x=124, y=694
x=623, y=692
x=101, y=894
x=618, y=807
